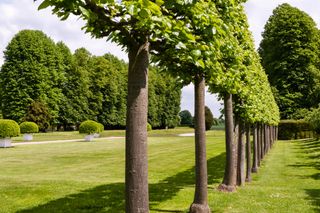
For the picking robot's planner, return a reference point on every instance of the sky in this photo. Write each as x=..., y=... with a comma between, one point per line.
x=17, y=15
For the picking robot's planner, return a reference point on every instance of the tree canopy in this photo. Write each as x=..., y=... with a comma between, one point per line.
x=289, y=53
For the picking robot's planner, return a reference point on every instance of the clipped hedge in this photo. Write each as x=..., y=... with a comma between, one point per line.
x=28, y=127
x=149, y=127
x=9, y=128
x=294, y=129
x=90, y=127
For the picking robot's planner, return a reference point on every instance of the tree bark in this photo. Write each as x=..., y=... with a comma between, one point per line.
x=230, y=174
x=200, y=202
x=248, y=154
x=262, y=142
x=255, y=150
x=136, y=174
x=241, y=173
x=259, y=144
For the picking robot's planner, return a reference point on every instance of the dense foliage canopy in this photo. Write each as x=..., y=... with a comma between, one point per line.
x=89, y=87
x=290, y=55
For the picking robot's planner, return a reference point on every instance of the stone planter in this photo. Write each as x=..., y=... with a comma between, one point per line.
x=5, y=142
x=27, y=137
x=89, y=138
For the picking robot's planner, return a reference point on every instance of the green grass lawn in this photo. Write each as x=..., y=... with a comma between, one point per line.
x=89, y=177
x=51, y=136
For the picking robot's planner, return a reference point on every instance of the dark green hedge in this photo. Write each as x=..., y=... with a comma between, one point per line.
x=294, y=129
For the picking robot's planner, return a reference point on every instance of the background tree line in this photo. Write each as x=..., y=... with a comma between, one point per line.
x=41, y=78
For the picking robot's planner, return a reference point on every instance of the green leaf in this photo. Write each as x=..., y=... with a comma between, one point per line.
x=44, y=4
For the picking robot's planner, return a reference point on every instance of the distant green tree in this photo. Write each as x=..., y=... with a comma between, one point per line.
x=107, y=99
x=290, y=55
x=209, y=119
x=164, y=100
x=186, y=118
x=32, y=70
x=38, y=113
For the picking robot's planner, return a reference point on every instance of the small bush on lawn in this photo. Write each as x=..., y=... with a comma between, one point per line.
x=101, y=127
x=89, y=127
x=9, y=128
x=149, y=127
x=29, y=127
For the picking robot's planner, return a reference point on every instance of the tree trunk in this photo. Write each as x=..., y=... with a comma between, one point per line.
x=230, y=174
x=136, y=173
x=255, y=150
x=259, y=144
x=262, y=142
x=241, y=173
x=248, y=154
x=200, y=202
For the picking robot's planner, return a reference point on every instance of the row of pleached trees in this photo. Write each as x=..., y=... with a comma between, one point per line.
x=204, y=42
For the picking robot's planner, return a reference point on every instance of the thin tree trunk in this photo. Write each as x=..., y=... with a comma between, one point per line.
x=259, y=143
x=200, y=202
x=241, y=173
x=255, y=150
x=248, y=154
x=262, y=142
x=136, y=173
x=230, y=174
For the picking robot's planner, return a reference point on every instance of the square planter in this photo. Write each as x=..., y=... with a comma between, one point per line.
x=89, y=138
x=27, y=137
x=5, y=142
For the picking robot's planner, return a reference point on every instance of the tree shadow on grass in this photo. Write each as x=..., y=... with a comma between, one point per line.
x=110, y=198
x=314, y=197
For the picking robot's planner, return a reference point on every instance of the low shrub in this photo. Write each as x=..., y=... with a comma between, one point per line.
x=101, y=128
x=9, y=128
x=149, y=127
x=293, y=129
x=90, y=127
x=29, y=127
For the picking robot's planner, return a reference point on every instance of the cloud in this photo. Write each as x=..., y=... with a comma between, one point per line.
x=17, y=15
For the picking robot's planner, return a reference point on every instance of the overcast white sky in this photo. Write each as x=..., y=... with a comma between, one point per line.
x=22, y=14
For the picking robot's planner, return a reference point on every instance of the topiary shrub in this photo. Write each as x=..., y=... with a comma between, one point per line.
x=29, y=127
x=89, y=127
x=149, y=127
x=9, y=128
x=101, y=127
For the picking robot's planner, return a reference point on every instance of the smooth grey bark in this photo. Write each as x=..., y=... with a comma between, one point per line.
x=136, y=171
x=230, y=174
x=241, y=173
x=248, y=154
x=200, y=202
x=255, y=150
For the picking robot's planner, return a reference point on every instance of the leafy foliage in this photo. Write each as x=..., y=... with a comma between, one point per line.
x=290, y=56
x=90, y=127
x=186, y=118
x=29, y=127
x=9, y=128
x=38, y=113
x=149, y=127
x=209, y=118
x=31, y=71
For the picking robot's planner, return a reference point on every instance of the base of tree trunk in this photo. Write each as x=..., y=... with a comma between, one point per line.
x=254, y=170
x=199, y=208
x=248, y=179
x=226, y=188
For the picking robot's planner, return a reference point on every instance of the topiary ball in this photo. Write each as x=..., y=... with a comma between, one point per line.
x=89, y=127
x=149, y=127
x=9, y=128
x=29, y=127
x=101, y=127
